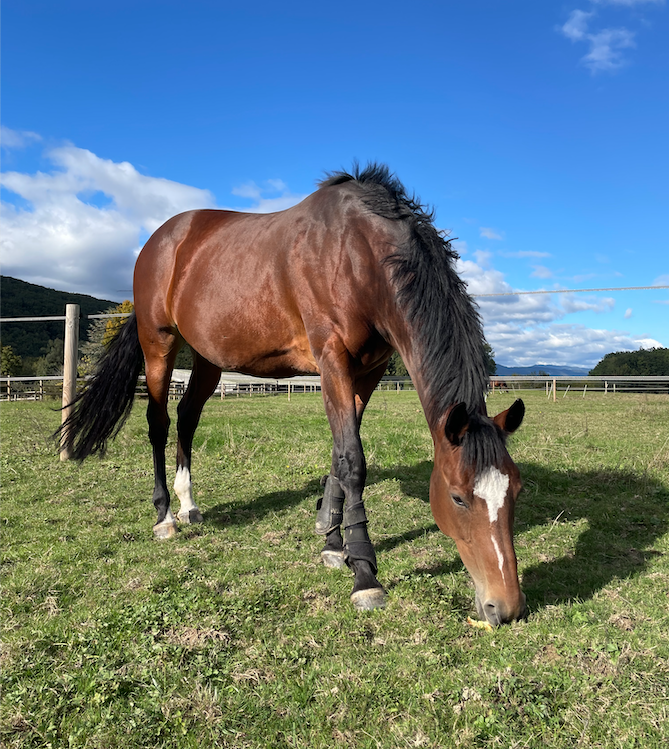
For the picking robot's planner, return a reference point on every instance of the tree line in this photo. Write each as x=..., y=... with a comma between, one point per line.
x=646, y=362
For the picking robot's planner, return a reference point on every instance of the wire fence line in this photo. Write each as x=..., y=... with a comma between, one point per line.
x=56, y=318
x=569, y=291
x=69, y=377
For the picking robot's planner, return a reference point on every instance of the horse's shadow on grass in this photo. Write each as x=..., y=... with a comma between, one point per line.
x=624, y=515
x=224, y=515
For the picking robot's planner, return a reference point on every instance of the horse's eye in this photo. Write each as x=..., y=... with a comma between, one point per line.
x=459, y=501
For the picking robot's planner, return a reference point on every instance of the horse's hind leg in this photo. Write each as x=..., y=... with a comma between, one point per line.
x=160, y=350
x=203, y=381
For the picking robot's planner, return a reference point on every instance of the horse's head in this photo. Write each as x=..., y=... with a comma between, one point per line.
x=473, y=493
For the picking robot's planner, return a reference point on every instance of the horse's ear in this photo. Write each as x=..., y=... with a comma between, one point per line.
x=456, y=423
x=512, y=418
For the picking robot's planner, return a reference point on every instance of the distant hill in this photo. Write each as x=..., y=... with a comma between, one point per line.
x=22, y=299
x=555, y=370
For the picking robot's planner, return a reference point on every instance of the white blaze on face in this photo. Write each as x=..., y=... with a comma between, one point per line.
x=500, y=558
x=492, y=485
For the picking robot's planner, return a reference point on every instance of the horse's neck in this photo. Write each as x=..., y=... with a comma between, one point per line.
x=408, y=343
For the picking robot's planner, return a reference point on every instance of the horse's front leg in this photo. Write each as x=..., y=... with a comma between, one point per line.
x=350, y=471
x=329, y=517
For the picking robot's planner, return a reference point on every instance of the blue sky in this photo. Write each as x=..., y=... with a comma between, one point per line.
x=536, y=130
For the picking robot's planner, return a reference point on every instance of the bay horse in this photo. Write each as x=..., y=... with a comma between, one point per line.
x=329, y=287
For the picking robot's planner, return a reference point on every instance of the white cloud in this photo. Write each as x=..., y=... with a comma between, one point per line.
x=627, y=3
x=576, y=26
x=489, y=233
x=273, y=195
x=460, y=246
x=483, y=258
x=10, y=139
x=571, y=303
x=525, y=254
x=86, y=218
x=518, y=310
x=606, y=49
x=541, y=271
x=628, y=313
x=525, y=330
x=606, y=46
x=559, y=344
x=82, y=229
x=247, y=190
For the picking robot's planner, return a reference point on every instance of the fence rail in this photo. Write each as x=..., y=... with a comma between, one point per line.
x=232, y=384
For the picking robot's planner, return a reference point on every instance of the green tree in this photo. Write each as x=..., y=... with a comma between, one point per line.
x=101, y=333
x=489, y=356
x=113, y=324
x=11, y=362
x=396, y=367
x=91, y=350
x=51, y=363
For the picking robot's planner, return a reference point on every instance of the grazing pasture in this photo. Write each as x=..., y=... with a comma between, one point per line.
x=233, y=634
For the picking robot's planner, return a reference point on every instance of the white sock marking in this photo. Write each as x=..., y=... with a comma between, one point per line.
x=169, y=518
x=492, y=485
x=184, y=490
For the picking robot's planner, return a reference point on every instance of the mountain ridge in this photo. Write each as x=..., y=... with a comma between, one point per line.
x=555, y=370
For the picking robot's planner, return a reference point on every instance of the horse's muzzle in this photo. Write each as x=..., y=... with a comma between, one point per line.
x=497, y=612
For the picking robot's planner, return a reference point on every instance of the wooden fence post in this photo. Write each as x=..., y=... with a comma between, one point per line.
x=70, y=366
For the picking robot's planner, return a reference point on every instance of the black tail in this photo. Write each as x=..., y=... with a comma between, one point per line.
x=103, y=406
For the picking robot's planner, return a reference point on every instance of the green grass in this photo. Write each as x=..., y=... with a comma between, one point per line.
x=234, y=635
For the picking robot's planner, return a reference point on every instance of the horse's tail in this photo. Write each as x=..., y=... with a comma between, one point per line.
x=103, y=406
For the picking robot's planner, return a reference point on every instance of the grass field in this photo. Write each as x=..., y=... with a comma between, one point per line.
x=234, y=635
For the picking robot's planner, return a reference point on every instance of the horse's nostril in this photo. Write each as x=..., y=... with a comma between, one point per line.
x=491, y=614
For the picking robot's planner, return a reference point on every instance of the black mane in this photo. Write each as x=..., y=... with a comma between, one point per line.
x=443, y=316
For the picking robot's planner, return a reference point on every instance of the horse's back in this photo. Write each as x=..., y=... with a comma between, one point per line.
x=258, y=292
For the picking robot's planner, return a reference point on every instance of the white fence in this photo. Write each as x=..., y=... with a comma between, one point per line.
x=233, y=384
x=586, y=384
x=36, y=388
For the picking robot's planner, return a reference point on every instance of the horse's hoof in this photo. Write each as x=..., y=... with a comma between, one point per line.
x=165, y=530
x=332, y=559
x=190, y=517
x=367, y=600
